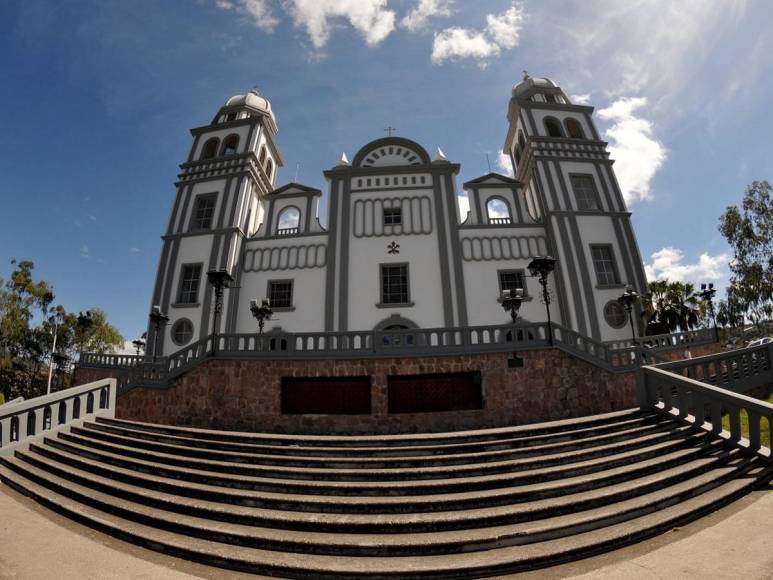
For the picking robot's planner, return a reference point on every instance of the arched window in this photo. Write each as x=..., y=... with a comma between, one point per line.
x=289, y=221
x=521, y=140
x=269, y=168
x=209, y=151
x=498, y=211
x=518, y=153
x=553, y=127
x=230, y=144
x=262, y=156
x=574, y=129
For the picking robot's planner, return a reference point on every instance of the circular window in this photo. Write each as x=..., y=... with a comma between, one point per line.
x=182, y=331
x=615, y=314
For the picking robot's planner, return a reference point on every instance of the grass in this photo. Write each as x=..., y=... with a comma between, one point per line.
x=764, y=427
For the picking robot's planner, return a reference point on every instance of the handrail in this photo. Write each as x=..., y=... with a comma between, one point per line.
x=21, y=422
x=667, y=341
x=675, y=389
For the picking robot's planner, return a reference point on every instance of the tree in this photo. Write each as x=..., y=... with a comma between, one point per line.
x=749, y=231
x=27, y=327
x=670, y=306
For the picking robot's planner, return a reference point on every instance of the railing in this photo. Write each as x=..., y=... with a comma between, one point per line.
x=500, y=221
x=20, y=422
x=287, y=231
x=134, y=371
x=701, y=391
x=668, y=341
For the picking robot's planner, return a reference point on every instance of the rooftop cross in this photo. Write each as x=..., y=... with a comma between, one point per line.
x=390, y=129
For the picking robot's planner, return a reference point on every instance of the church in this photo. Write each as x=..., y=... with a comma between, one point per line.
x=395, y=251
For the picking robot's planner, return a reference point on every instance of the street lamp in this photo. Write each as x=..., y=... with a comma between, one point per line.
x=540, y=267
x=511, y=302
x=261, y=312
x=628, y=299
x=157, y=319
x=139, y=344
x=707, y=293
x=220, y=280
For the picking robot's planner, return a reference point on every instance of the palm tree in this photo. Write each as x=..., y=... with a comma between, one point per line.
x=669, y=306
x=686, y=305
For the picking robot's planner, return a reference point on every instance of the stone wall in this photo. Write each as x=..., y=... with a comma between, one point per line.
x=245, y=394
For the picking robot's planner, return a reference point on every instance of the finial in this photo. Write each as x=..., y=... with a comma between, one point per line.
x=390, y=130
x=440, y=156
x=526, y=75
x=344, y=160
x=254, y=90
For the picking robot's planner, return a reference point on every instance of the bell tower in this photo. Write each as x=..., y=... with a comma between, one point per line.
x=230, y=169
x=569, y=181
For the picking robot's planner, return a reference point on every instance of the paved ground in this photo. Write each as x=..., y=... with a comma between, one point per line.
x=735, y=542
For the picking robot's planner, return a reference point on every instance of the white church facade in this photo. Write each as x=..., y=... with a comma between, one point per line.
x=395, y=251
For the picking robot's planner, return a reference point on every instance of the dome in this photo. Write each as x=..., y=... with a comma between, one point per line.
x=252, y=100
x=528, y=83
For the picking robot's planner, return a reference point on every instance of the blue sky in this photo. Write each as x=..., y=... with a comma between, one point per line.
x=98, y=98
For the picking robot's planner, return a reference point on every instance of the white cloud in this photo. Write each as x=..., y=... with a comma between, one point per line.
x=134, y=250
x=502, y=32
x=668, y=263
x=583, y=99
x=417, y=18
x=368, y=17
x=637, y=155
x=257, y=11
x=464, y=206
x=504, y=164
x=84, y=251
x=505, y=28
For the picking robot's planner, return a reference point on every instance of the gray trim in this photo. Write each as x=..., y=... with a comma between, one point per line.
x=592, y=125
x=269, y=217
x=176, y=208
x=638, y=263
x=170, y=270
x=423, y=207
x=225, y=198
x=616, y=192
x=330, y=278
x=502, y=247
x=602, y=179
x=194, y=146
x=184, y=305
x=250, y=135
x=530, y=225
x=296, y=258
x=236, y=230
x=222, y=176
x=585, y=275
x=562, y=185
x=624, y=248
x=292, y=294
x=240, y=194
x=292, y=237
x=233, y=298
x=307, y=220
x=363, y=152
x=207, y=300
x=374, y=189
x=394, y=319
x=532, y=121
x=343, y=289
x=456, y=251
x=183, y=216
x=381, y=303
x=552, y=194
x=444, y=241
x=569, y=260
x=227, y=241
x=178, y=292
x=558, y=106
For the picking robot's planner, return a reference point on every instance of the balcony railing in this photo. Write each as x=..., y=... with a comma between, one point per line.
x=500, y=221
x=288, y=231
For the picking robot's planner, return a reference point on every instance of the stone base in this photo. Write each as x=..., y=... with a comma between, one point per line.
x=244, y=395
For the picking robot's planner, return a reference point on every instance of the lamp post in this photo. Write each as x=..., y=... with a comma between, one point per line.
x=261, y=312
x=707, y=293
x=157, y=319
x=511, y=302
x=628, y=299
x=139, y=344
x=220, y=280
x=540, y=267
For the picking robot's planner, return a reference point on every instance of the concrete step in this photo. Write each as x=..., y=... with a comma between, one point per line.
x=354, y=441
x=343, y=462
x=516, y=441
x=402, y=544
x=670, y=466
x=497, y=560
x=322, y=472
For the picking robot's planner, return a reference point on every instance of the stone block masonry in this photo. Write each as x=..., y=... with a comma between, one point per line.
x=244, y=395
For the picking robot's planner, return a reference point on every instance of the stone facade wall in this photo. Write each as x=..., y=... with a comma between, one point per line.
x=245, y=394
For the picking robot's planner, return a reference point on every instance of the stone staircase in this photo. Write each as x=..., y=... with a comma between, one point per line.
x=463, y=504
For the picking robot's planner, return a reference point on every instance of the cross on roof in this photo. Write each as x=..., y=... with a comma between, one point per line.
x=389, y=130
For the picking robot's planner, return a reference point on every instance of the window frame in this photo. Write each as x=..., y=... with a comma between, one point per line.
x=192, y=225
x=384, y=304
x=606, y=318
x=224, y=143
x=175, y=325
x=558, y=125
x=580, y=130
x=392, y=210
x=208, y=143
x=509, y=216
x=180, y=281
x=519, y=271
x=271, y=283
x=596, y=197
x=613, y=261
